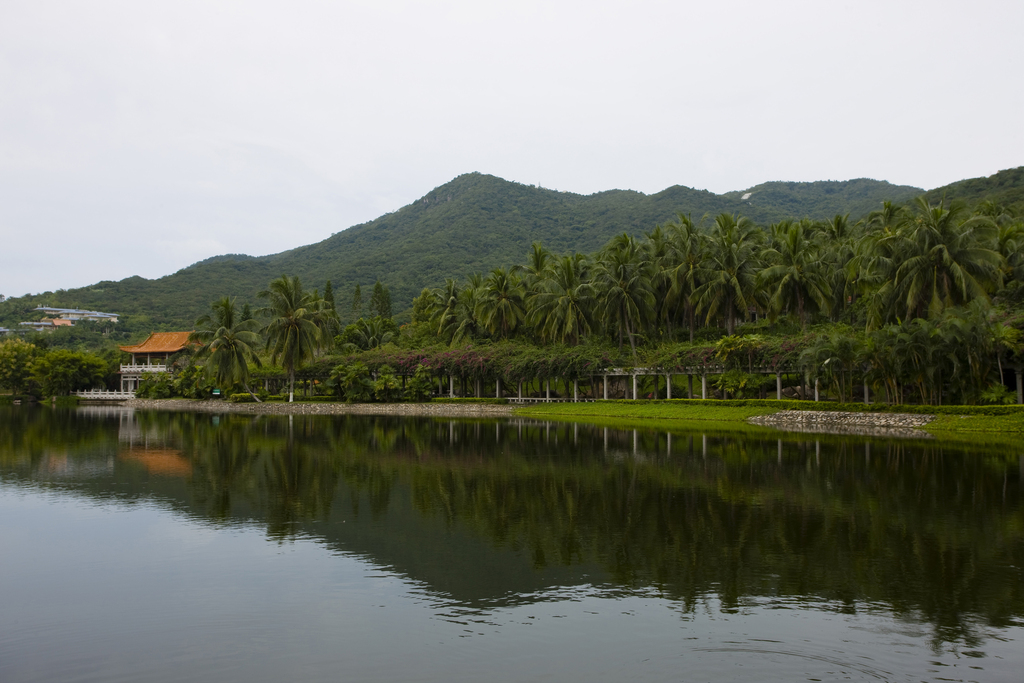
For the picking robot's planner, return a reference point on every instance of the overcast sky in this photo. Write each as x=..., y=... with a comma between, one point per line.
x=139, y=137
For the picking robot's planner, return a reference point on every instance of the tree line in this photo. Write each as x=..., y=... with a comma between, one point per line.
x=900, y=263
x=921, y=302
x=901, y=301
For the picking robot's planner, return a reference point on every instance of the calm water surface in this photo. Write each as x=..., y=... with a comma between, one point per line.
x=177, y=547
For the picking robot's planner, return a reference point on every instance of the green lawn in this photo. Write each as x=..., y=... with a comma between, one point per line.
x=643, y=410
x=971, y=426
x=963, y=424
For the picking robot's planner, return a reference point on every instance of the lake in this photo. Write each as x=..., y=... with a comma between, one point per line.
x=159, y=546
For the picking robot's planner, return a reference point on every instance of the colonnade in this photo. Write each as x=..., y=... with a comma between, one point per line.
x=636, y=373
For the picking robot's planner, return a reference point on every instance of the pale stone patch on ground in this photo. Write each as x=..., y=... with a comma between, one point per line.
x=834, y=422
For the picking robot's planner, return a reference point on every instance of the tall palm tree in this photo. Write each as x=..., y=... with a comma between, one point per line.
x=624, y=288
x=686, y=247
x=657, y=251
x=946, y=258
x=794, y=277
x=537, y=261
x=227, y=344
x=563, y=309
x=326, y=317
x=1010, y=244
x=443, y=305
x=500, y=307
x=294, y=331
x=730, y=270
x=875, y=260
x=458, y=320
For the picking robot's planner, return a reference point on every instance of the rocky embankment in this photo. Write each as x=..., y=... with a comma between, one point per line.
x=833, y=422
x=410, y=409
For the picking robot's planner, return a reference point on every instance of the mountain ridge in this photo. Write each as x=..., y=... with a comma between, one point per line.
x=472, y=223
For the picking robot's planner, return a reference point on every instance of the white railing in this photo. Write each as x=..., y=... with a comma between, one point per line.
x=103, y=395
x=143, y=368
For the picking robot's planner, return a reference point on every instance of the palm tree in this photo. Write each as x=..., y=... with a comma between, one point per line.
x=1010, y=244
x=500, y=306
x=536, y=267
x=227, y=345
x=687, y=245
x=875, y=260
x=795, y=278
x=730, y=271
x=563, y=309
x=445, y=301
x=946, y=260
x=624, y=288
x=458, y=319
x=294, y=330
x=326, y=318
x=658, y=252
x=373, y=332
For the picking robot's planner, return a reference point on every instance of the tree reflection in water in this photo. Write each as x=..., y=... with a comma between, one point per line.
x=930, y=531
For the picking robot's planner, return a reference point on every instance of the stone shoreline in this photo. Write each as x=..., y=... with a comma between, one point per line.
x=834, y=422
x=407, y=409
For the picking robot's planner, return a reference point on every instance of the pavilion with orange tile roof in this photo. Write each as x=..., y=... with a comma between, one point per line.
x=158, y=346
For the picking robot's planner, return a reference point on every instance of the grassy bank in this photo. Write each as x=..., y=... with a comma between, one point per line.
x=713, y=411
x=968, y=423
x=951, y=421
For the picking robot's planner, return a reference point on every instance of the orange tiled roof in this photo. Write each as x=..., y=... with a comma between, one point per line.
x=160, y=342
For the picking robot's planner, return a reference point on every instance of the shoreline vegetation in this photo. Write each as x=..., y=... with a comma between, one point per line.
x=947, y=422
x=916, y=307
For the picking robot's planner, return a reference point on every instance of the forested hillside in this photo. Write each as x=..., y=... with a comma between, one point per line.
x=472, y=224
x=1004, y=188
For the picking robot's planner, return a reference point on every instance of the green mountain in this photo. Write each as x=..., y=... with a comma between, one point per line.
x=474, y=223
x=1005, y=187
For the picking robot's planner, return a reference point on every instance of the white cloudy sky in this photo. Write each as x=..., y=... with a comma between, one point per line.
x=140, y=137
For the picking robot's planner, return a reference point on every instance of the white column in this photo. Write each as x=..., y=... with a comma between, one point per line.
x=575, y=390
x=778, y=386
x=634, y=387
x=451, y=386
x=703, y=386
x=815, y=388
x=606, y=395
x=497, y=388
x=668, y=386
x=520, y=394
x=547, y=389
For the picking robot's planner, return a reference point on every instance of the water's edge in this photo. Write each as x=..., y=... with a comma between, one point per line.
x=408, y=409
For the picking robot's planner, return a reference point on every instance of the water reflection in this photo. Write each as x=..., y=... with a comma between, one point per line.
x=501, y=513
